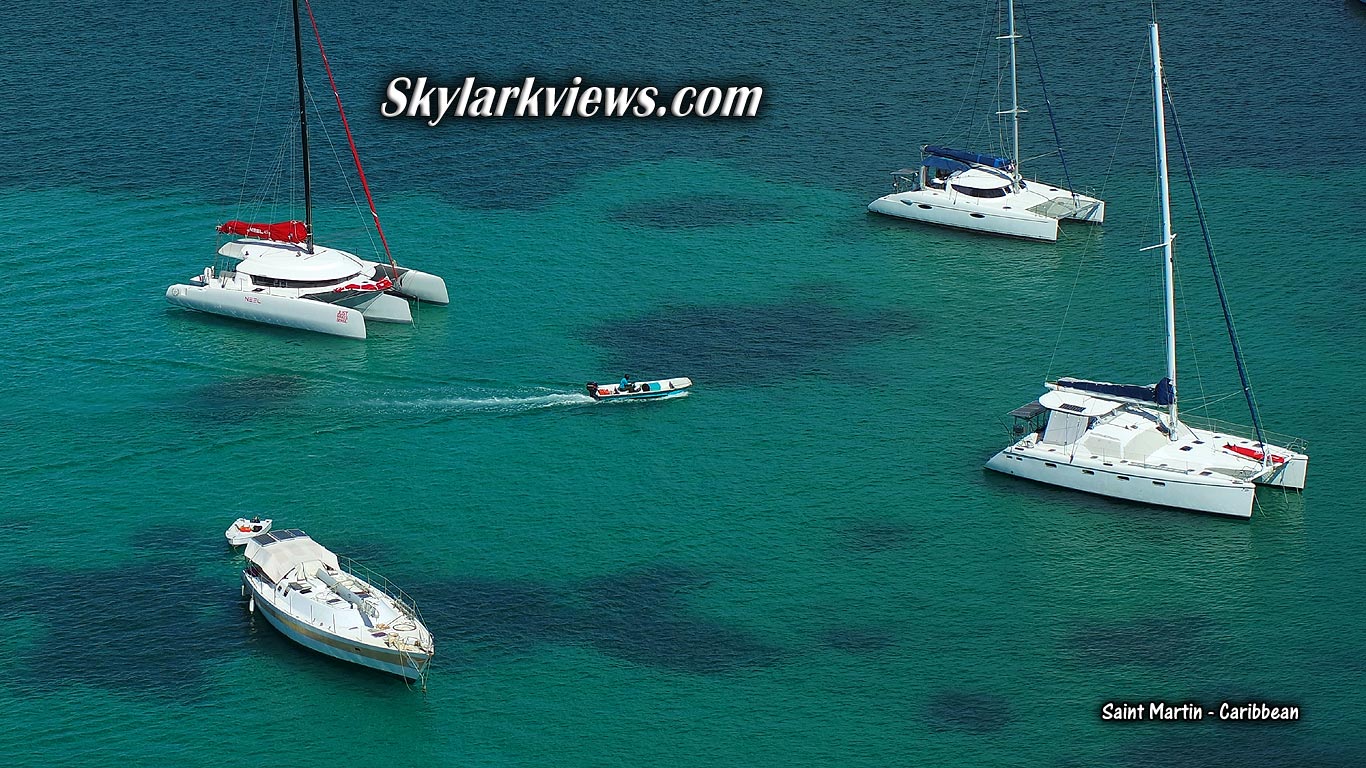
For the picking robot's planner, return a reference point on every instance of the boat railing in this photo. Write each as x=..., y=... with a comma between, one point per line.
x=905, y=180
x=405, y=603
x=1248, y=433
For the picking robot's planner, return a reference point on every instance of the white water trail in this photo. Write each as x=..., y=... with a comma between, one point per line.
x=489, y=403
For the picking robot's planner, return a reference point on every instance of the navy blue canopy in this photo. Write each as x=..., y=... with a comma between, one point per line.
x=1160, y=393
x=969, y=157
x=948, y=164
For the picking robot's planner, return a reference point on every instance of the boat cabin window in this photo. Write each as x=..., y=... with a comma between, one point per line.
x=272, y=282
x=976, y=192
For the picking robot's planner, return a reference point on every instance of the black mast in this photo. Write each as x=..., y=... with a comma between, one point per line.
x=303, y=128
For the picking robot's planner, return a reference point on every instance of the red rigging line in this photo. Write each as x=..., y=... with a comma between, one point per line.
x=354, y=154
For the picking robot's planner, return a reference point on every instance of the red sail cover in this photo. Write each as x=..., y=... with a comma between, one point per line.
x=1253, y=453
x=282, y=232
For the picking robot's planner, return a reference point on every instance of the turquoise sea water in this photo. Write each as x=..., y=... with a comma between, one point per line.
x=801, y=563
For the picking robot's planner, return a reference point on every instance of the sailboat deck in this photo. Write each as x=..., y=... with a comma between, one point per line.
x=1132, y=437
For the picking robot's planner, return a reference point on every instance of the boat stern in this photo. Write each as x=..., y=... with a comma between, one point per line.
x=1290, y=473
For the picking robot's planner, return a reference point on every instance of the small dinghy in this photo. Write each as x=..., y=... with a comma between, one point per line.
x=241, y=531
x=640, y=390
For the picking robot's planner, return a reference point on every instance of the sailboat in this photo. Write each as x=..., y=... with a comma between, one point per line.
x=986, y=192
x=276, y=274
x=1130, y=442
x=334, y=606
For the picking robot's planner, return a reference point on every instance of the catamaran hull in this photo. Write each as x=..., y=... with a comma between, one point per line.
x=1290, y=474
x=1022, y=224
x=1231, y=498
x=1029, y=214
x=408, y=665
x=304, y=314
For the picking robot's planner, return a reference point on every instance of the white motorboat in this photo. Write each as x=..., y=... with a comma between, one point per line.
x=333, y=606
x=640, y=390
x=986, y=192
x=276, y=274
x=243, y=529
x=1129, y=442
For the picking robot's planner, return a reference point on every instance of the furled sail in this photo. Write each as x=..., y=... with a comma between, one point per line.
x=280, y=232
x=965, y=156
x=1160, y=393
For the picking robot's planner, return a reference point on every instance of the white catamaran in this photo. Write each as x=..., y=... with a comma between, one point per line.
x=1128, y=442
x=984, y=192
x=275, y=274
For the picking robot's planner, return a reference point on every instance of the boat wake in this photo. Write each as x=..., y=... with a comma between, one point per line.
x=492, y=404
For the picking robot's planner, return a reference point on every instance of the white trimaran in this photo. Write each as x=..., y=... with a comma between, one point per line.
x=984, y=192
x=276, y=274
x=1117, y=440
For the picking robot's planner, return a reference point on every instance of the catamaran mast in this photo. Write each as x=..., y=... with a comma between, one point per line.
x=1168, y=262
x=303, y=129
x=1014, y=95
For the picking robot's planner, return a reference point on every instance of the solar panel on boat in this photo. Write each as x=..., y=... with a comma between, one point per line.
x=274, y=536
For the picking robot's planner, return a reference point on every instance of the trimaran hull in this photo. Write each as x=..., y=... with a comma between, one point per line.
x=338, y=316
x=287, y=312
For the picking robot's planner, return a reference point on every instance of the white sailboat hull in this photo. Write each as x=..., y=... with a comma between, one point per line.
x=1024, y=214
x=288, y=312
x=304, y=590
x=1229, y=497
x=408, y=665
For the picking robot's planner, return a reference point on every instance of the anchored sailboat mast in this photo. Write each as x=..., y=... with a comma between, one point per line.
x=1168, y=259
x=303, y=129
x=1015, y=103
